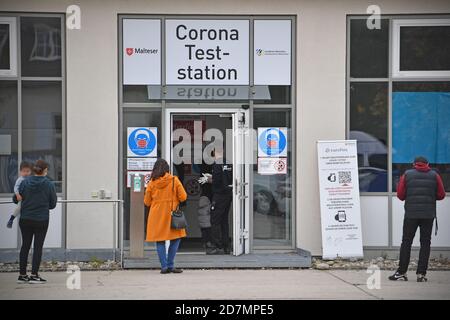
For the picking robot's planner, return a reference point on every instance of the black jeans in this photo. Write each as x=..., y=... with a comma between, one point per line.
x=32, y=229
x=219, y=220
x=206, y=234
x=409, y=230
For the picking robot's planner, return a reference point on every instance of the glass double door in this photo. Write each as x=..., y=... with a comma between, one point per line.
x=195, y=139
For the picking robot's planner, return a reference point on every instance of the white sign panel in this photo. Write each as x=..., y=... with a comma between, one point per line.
x=268, y=166
x=207, y=52
x=141, y=52
x=142, y=141
x=272, y=52
x=272, y=142
x=339, y=199
x=140, y=163
x=146, y=174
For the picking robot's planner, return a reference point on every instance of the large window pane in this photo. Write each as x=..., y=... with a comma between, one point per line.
x=272, y=95
x=424, y=48
x=42, y=125
x=136, y=118
x=368, y=49
x=40, y=46
x=368, y=125
x=272, y=194
x=421, y=127
x=8, y=135
x=5, y=63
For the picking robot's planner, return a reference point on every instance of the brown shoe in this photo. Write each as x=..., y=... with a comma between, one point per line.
x=175, y=270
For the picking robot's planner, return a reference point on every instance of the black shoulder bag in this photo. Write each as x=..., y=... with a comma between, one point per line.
x=178, y=220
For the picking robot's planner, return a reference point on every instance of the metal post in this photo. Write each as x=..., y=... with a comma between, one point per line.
x=121, y=232
x=114, y=230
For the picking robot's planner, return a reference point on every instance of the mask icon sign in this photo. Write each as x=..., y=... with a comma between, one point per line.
x=272, y=142
x=142, y=142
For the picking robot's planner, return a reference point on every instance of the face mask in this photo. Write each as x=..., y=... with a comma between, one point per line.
x=141, y=143
x=141, y=140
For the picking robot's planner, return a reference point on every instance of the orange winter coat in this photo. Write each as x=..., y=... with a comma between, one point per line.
x=159, y=196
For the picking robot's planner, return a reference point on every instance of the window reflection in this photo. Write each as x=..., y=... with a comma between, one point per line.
x=42, y=125
x=272, y=194
x=4, y=47
x=133, y=118
x=421, y=127
x=8, y=135
x=41, y=46
x=368, y=125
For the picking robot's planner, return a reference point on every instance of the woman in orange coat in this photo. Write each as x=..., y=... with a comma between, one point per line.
x=163, y=194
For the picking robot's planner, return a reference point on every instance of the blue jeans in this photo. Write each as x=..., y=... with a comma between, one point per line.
x=167, y=260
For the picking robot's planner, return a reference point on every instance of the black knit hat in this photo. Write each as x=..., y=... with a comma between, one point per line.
x=420, y=159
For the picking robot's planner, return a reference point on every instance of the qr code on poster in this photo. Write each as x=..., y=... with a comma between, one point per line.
x=345, y=176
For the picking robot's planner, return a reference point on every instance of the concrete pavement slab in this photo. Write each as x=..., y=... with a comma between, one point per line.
x=219, y=284
x=437, y=287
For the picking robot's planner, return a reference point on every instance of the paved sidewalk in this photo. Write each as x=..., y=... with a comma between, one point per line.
x=227, y=284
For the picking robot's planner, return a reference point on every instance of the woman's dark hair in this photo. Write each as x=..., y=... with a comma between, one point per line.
x=160, y=168
x=25, y=165
x=39, y=167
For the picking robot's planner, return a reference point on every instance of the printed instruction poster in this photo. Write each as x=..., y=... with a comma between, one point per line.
x=339, y=199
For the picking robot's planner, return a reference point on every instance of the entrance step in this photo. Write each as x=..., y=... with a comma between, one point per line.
x=298, y=259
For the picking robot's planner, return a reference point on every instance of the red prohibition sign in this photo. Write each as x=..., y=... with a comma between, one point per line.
x=280, y=165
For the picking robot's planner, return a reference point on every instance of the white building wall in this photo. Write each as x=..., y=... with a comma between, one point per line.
x=92, y=94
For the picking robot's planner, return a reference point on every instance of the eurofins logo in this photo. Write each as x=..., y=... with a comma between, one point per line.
x=131, y=51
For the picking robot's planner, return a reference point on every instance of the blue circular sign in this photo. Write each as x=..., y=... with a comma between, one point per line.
x=272, y=141
x=141, y=141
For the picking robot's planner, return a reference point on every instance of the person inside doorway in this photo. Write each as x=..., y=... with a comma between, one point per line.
x=222, y=197
x=419, y=187
x=204, y=206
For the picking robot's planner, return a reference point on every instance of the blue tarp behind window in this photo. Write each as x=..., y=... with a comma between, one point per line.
x=421, y=126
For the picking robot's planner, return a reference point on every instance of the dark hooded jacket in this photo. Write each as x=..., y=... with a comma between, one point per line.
x=38, y=198
x=420, y=188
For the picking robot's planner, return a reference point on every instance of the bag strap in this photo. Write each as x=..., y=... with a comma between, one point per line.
x=171, y=198
x=436, y=226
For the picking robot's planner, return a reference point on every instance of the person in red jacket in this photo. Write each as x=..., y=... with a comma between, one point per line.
x=419, y=187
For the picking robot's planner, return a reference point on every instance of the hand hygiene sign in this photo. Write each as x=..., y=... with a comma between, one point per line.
x=207, y=52
x=339, y=199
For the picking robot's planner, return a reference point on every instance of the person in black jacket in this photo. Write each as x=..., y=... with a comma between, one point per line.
x=38, y=198
x=222, y=197
x=419, y=187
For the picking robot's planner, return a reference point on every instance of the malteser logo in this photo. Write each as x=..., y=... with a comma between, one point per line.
x=131, y=51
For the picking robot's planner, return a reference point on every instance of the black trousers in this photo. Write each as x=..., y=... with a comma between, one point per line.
x=409, y=230
x=220, y=208
x=32, y=229
x=206, y=234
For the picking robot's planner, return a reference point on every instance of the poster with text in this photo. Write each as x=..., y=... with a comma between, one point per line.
x=141, y=52
x=339, y=199
x=270, y=166
x=272, y=52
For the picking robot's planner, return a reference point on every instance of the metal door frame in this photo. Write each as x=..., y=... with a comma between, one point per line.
x=240, y=233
